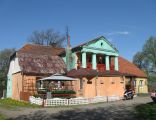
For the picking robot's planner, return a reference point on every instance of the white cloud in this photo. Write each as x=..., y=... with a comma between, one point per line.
x=118, y=33
x=123, y=33
x=129, y=26
x=110, y=39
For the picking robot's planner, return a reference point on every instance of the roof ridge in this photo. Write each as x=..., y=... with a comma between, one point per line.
x=42, y=45
x=45, y=46
x=88, y=41
x=95, y=40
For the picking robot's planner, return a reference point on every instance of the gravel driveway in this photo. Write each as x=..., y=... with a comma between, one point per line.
x=119, y=110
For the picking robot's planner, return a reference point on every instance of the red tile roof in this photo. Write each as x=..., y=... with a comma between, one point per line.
x=44, y=59
x=129, y=68
x=83, y=72
x=126, y=68
x=40, y=49
x=38, y=59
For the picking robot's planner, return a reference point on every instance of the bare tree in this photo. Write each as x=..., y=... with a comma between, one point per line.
x=138, y=59
x=47, y=37
x=4, y=65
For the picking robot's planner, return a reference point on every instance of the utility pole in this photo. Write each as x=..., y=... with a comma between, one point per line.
x=68, y=51
x=68, y=37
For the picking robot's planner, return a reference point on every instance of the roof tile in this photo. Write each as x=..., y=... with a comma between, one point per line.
x=127, y=67
x=39, y=59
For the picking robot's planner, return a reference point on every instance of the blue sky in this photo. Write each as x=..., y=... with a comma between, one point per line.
x=127, y=24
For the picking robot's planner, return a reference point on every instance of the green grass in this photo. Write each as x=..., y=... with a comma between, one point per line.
x=146, y=111
x=14, y=104
x=2, y=118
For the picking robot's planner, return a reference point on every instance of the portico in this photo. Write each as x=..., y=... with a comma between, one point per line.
x=99, y=60
x=98, y=54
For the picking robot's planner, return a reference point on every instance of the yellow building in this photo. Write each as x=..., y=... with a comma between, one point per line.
x=141, y=85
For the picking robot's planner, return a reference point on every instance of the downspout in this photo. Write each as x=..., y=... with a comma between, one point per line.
x=96, y=86
x=18, y=89
x=22, y=84
x=96, y=91
x=124, y=82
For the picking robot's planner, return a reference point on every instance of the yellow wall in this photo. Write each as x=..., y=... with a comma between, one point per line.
x=141, y=89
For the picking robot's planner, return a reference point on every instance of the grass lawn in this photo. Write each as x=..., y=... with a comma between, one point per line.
x=146, y=111
x=14, y=104
x=10, y=104
x=2, y=118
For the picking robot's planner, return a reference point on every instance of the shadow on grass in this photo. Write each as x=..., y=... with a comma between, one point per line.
x=110, y=113
x=146, y=111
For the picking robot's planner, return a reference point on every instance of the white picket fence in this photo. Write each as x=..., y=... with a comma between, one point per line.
x=34, y=100
x=72, y=101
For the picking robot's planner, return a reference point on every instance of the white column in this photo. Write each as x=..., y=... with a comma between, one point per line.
x=93, y=61
x=107, y=63
x=116, y=63
x=84, y=59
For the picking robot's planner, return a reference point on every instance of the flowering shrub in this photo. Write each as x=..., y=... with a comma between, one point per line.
x=58, y=92
x=63, y=92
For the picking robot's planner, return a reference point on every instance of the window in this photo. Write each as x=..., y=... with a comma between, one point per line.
x=145, y=82
x=122, y=80
x=141, y=83
x=89, y=82
x=101, y=81
x=100, y=60
x=134, y=83
x=112, y=81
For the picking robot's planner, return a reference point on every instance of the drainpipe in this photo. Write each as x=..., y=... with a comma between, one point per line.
x=22, y=85
x=96, y=90
x=22, y=82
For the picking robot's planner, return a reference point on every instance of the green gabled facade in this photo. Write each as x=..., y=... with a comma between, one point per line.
x=90, y=52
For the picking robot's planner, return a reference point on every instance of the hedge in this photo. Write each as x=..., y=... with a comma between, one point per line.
x=59, y=92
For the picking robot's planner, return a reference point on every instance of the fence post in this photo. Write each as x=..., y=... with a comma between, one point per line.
x=89, y=99
x=43, y=103
x=67, y=101
x=107, y=98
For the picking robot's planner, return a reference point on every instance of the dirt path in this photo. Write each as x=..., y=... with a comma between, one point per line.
x=119, y=110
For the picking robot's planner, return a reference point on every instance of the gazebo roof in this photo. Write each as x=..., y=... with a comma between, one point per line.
x=58, y=77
